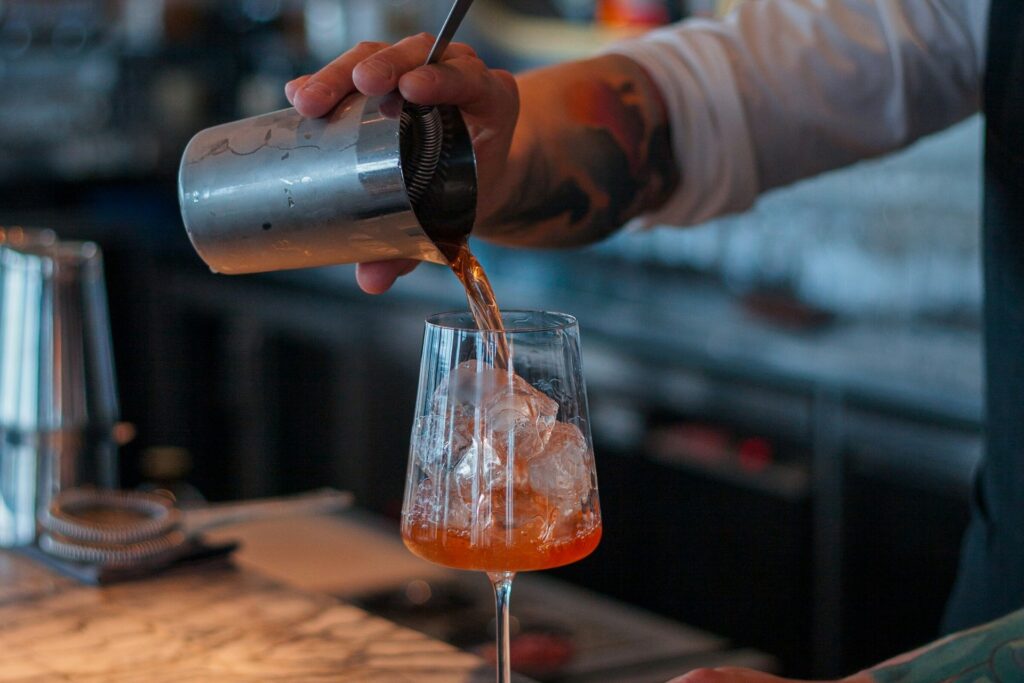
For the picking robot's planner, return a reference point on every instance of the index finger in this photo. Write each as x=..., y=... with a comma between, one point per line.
x=380, y=73
x=319, y=93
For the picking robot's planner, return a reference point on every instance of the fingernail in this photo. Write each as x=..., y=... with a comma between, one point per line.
x=317, y=89
x=379, y=68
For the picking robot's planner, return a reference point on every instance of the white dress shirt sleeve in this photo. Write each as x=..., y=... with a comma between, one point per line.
x=784, y=89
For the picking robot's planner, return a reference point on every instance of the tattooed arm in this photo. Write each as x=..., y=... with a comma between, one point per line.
x=992, y=653
x=591, y=151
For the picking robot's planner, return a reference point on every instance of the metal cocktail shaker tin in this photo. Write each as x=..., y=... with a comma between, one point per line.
x=279, y=191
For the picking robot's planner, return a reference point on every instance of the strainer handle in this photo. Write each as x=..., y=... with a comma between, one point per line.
x=451, y=25
x=322, y=501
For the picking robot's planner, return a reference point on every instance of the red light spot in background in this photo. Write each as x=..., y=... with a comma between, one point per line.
x=755, y=454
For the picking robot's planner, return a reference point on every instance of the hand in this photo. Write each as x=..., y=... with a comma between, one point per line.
x=488, y=99
x=731, y=674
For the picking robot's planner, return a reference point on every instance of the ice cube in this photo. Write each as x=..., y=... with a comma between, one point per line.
x=423, y=507
x=562, y=472
x=530, y=516
x=515, y=401
x=480, y=462
x=458, y=508
x=505, y=399
x=521, y=417
x=470, y=384
x=485, y=427
x=536, y=518
x=496, y=412
x=439, y=503
x=451, y=455
x=439, y=441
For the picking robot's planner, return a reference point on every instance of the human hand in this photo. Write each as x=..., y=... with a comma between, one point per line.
x=731, y=674
x=488, y=99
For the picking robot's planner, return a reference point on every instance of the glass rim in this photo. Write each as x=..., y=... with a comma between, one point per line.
x=462, y=321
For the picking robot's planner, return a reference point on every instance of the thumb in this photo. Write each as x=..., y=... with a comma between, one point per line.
x=377, y=277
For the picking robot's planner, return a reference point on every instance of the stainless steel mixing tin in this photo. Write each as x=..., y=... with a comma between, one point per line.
x=58, y=396
x=280, y=191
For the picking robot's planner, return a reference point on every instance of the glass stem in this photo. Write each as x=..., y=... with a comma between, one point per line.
x=502, y=582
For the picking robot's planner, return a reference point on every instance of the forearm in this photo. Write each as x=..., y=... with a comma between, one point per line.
x=591, y=151
x=992, y=652
x=785, y=89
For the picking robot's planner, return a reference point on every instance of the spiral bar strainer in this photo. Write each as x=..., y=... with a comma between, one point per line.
x=123, y=529
x=422, y=124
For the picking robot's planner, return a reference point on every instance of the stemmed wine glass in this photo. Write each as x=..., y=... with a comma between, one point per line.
x=501, y=474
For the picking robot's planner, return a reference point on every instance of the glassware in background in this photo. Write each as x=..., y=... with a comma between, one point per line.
x=501, y=474
x=58, y=401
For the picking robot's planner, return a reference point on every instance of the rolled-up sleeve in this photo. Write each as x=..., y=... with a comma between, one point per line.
x=785, y=89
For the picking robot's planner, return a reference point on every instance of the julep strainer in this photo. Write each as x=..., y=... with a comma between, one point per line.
x=125, y=529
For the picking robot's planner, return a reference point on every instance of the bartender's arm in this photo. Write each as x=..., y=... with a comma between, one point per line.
x=688, y=123
x=589, y=151
x=993, y=652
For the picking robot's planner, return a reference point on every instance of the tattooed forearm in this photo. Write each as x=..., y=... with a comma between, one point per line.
x=592, y=150
x=992, y=653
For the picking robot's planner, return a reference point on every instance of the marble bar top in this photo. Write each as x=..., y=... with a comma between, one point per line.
x=211, y=623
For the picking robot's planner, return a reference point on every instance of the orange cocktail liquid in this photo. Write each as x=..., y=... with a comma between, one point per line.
x=522, y=552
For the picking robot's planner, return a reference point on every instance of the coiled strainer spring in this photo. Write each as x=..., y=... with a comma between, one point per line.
x=421, y=127
x=125, y=529
x=422, y=134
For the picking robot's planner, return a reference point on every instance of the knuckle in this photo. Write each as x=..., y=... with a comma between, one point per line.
x=463, y=49
x=369, y=46
x=471, y=63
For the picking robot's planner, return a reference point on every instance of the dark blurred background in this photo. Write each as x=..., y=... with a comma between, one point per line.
x=786, y=404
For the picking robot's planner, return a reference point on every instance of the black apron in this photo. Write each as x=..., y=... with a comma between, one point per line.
x=991, y=579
